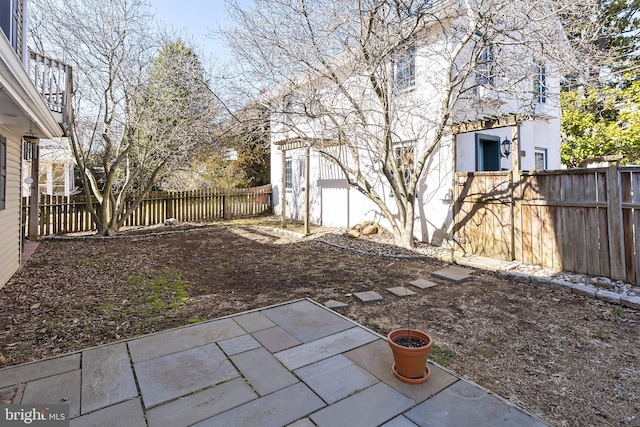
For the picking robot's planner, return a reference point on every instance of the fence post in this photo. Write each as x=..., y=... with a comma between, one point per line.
x=614, y=215
x=169, y=202
x=224, y=206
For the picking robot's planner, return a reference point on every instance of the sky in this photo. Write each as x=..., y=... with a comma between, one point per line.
x=194, y=19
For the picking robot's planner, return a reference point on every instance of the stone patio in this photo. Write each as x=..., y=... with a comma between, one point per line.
x=293, y=364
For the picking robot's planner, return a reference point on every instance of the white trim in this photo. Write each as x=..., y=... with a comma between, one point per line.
x=15, y=82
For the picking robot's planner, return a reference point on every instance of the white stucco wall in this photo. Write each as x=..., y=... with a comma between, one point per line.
x=334, y=203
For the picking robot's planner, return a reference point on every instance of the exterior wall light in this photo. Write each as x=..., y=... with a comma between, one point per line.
x=505, y=148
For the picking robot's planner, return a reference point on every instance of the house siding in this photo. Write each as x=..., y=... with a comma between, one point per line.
x=10, y=216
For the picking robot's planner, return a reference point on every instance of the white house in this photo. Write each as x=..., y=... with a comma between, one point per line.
x=24, y=114
x=452, y=94
x=56, y=168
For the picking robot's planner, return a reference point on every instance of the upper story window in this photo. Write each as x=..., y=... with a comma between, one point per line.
x=485, y=66
x=9, y=19
x=404, y=70
x=540, y=84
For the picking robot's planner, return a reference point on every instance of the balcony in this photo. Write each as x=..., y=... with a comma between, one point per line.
x=54, y=82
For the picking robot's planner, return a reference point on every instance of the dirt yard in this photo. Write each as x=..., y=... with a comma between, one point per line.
x=571, y=360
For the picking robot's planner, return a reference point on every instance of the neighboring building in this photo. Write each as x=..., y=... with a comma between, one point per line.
x=25, y=116
x=56, y=169
x=478, y=139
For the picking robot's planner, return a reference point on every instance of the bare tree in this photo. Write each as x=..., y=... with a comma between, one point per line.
x=344, y=78
x=135, y=116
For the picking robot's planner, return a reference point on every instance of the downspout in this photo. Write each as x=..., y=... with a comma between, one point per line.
x=306, y=192
x=283, y=198
x=34, y=210
x=515, y=182
x=25, y=50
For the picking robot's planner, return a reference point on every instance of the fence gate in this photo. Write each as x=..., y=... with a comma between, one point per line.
x=483, y=214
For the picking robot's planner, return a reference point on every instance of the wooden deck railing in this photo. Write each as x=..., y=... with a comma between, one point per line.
x=54, y=81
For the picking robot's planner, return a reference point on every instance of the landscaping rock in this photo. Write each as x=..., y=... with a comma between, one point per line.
x=560, y=285
x=631, y=301
x=371, y=229
x=582, y=289
x=603, y=282
x=608, y=296
x=353, y=233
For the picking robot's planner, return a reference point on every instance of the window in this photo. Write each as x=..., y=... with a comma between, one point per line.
x=484, y=67
x=487, y=153
x=540, y=158
x=3, y=172
x=405, y=69
x=9, y=17
x=540, y=84
x=288, y=175
x=404, y=154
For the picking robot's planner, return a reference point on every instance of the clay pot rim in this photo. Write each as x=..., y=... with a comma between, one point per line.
x=404, y=332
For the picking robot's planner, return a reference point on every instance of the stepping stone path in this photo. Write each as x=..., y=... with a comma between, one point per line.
x=369, y=296
x=422, y=283
x=401, y=291
x=333, y=304
x=453, y=274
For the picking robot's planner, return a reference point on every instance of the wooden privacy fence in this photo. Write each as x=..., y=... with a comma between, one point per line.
x=60, y=214
x=585, y=220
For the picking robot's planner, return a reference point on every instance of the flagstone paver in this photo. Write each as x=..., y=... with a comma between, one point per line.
x=368, y=296
x=263, y=371
x=181, y=339
x=365, y=408
x=277, y=366
x=275, y=339
x=57, y=389
x=335, y=378
x=12, y=395
x=303, y=422
x=107, y=377
x=127, y=413
x=466, y=404
x=238, y=344
x=401, y=291
x=399, y=421
x=453, y=273
x=31, y=371
x=253, y=321
x=378, y=360
x=169, y=377
x=422, y=283
x=196, y=407
x=333, y=304
x=273, y=410
x=306, y=321
x=324, y=348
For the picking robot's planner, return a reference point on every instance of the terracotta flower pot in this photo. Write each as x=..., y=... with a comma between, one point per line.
x=410, y=362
